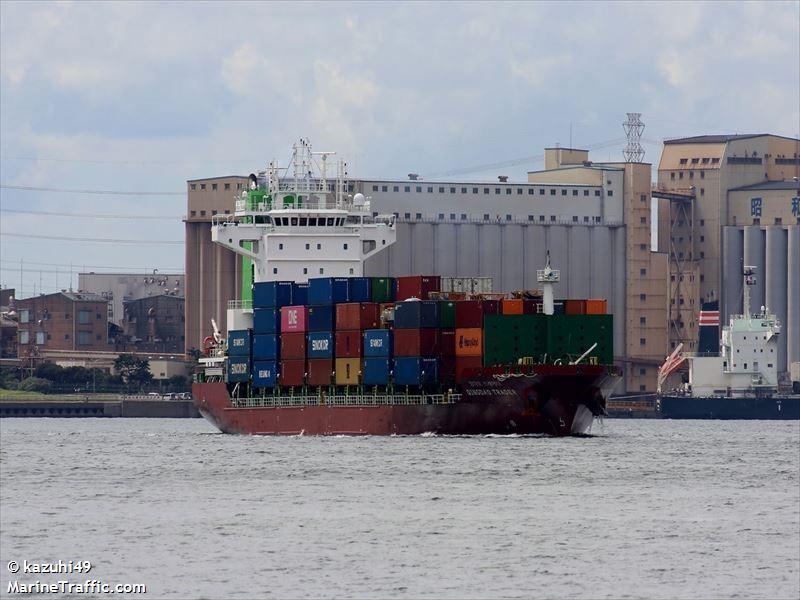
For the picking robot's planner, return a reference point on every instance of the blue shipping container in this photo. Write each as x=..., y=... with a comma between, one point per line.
x=360, y=289
x=328, y=290
x=416, y=314
x=265, y=373
x=377, y=342
x=321, y=318
x=415, y=370
x=272, y=294
x=299, y=294
x=319, y=344
x=239, y=342
x=376, y=371
x=238, y=368
x=266, y=320
x=266, y=346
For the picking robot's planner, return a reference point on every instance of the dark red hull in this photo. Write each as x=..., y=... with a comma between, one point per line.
x=555, y=400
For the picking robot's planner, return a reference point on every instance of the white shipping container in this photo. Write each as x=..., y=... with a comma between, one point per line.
x=794, y=371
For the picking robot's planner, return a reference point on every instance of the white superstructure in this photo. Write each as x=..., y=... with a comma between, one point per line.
x=303, y=225
x=747, y=363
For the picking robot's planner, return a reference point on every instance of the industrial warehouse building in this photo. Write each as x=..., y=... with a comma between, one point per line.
x=594, y=218
x=727, y=201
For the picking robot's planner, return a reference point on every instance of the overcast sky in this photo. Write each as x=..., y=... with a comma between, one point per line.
x=142, y=97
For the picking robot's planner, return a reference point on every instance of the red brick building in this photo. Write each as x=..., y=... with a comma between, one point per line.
x=62, y=321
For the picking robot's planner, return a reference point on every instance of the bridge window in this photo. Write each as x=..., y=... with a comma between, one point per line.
x=396, y=188
x=305, y=270
x=597, y=192
x=496, y=190
x=541, y=218
x=321, y=271
x=585, y=192
x=312, y=221
x=463, y=217
x=294, y=221
x=531, y=191
x=452, y=190
x=274, y=270
x=384, y=188
x=319, y=246
x=519, y=191
x=407, y=188
x=303, y=221
x=574, y=192
x=330, y=222
x=374, y=188
x=430, y=189
x=441, y=190
x=344, y=246
x=564, y=192
x=308, y=246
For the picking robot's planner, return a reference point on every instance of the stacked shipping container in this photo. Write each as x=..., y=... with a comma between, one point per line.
x=334, y=331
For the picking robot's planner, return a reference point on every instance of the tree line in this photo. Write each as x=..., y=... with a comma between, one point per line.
x=131, y=375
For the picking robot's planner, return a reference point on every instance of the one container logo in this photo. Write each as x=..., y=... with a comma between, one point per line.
x=291, y=317
x=265, y=373
x=238, y=341
x=376, y=343
x=319, y=344
x=239, y=368
x=465, y=342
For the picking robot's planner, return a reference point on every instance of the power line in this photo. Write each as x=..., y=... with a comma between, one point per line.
x=125, y=162
x=76, y=265
x=518, y=161
x=87, y=239
x=28, y=188
x=89, y=215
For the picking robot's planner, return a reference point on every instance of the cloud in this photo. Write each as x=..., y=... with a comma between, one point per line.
x=222, y=88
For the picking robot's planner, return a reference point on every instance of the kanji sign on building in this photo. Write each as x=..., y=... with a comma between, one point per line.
x=755, y=207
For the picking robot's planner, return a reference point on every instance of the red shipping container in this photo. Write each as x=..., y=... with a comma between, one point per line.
x=417, y=286
x=292, y=372
x=293, y=345
x=416, y=342
x=294, y=318
x=349, y=344
x=574, y=307
x=447, y=342
x=469, y=313
x=469, y=341
x=357, y=315
x=596, y=307
x=467, y=366
x=320, y=371
x=490, y=307
x=532, y=307
x=512, y=306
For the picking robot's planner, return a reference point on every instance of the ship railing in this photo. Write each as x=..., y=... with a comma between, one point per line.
x=240, y=305
x=345, y=400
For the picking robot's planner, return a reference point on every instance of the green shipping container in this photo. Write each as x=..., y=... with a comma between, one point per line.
x=382, y=289
x=447, y=314
x=507, y=338
x=569, y=336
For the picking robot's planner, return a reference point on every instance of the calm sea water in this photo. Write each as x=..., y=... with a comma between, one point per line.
x=666, y=509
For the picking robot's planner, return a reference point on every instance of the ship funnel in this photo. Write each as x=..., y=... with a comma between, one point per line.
x=547, y=277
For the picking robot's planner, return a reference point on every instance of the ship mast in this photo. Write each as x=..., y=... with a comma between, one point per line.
x=749, y=275
x=547, y=277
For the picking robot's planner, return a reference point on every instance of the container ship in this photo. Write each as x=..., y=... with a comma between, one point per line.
x=739, y=378
x=314, y=347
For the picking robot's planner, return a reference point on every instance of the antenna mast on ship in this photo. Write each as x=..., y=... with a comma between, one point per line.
x=749, y=275
x=547, y=277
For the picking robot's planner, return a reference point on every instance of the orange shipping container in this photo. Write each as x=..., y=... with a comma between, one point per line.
x=597, y=307
x=574, y=307
x=512, y=306
x=347, y=371
x=469, y=342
